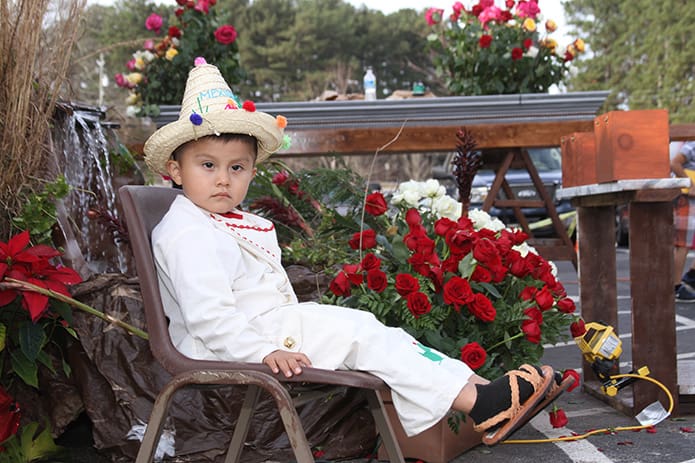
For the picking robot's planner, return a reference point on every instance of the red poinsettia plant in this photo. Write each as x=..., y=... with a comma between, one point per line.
x=29, y=318
x=463, y=284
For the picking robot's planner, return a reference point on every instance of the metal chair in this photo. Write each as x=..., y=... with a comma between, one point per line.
x=143, y=207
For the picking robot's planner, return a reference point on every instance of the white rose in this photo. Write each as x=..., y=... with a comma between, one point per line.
x=132, y=111
x=446, y=206
x=479, y=218
x=432, y=189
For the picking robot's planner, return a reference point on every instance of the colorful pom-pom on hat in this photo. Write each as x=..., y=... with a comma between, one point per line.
x=209, y=107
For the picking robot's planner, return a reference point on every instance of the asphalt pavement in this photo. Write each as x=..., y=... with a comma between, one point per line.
x=670, y=441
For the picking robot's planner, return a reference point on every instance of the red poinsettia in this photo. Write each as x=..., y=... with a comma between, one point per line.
x=466, y=286
x=9, y=416
x=32, y=264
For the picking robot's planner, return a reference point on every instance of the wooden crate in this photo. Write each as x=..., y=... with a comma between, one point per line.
x=578, y=159
x=632, y=145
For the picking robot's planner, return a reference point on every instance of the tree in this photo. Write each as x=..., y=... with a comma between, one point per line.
x=639, y=50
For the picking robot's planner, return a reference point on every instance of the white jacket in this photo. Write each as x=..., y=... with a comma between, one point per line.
x=210, y=318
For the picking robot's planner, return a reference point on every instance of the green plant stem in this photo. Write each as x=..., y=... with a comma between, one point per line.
x=84, y=307
x=516, y=336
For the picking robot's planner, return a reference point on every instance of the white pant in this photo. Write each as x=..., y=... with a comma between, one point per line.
x=424, y=382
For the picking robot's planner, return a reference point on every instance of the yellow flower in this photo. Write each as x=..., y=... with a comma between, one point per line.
x=132, y=99
x=529, y=24
x=549, y=43
x=579, y=45
x=571, y=50
x=134, y=78
x=171, y=52
x=139, y=63
x=550, y=25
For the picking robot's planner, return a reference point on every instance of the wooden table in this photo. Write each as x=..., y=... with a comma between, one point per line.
x=650, y=211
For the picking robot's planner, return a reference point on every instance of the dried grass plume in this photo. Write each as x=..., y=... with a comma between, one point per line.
x=36, y=40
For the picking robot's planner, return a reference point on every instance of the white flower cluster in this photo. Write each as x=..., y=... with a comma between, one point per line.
x=430, y=195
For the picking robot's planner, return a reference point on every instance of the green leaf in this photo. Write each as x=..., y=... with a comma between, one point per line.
x=25, y=368
x=32, y=338
x=3, y=336
x=38, y=447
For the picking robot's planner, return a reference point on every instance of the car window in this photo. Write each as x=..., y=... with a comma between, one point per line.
x=546, y=159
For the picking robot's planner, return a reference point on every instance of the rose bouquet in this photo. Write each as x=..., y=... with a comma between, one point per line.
x=464, y=285
x=157, y=73
x=488, y=50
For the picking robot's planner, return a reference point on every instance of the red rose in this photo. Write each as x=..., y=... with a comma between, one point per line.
x=370, y=262
x=578, y=328
x=179, y=12
x=481, y=307
x=280, y=177
x=406, y=284
x=485, y=41
x=575, y=375
x=544, y=298
x=375, y=204
x=174, y=32
x=418, y=304
x=481, y=274
x=353, y=274
x=528, y=43
x=558, y=418
x=420, y=264
x=532, y=331
x=413, y=218
x=226, y=34
x=485, y=252
x=340, y=286
x=527, y=293
x=534, y=314
x=376, y=280
x=364, y=240
x=517, y=264
x=457, y=291
x=473, y=355
x=566, y=305
x=517, y=53
x=509, y=4
x=444, y=226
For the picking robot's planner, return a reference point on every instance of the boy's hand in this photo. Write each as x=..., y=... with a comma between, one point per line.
x=288, y=363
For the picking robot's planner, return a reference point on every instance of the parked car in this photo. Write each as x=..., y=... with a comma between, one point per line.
x=548, y=163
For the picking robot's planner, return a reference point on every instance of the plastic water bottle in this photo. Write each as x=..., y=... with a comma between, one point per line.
x=369, y=85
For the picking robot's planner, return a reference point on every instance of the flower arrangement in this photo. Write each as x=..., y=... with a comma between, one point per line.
x=157, y=73
x=488, y=50
x=464, y=285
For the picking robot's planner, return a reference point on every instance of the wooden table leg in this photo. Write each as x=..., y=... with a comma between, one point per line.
x=597, y=269
x=653, y=306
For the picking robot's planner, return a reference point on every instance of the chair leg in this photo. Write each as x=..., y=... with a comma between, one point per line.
x=383, y=425
x=254, y=379
x=242, y=426
x=154, y=427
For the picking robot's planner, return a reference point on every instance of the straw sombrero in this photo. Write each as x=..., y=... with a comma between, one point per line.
x=210, y=108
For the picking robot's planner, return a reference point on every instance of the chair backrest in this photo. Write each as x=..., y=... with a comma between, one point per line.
x=143, y=208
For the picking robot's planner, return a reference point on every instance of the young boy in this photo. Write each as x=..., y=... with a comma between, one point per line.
x=228, y=297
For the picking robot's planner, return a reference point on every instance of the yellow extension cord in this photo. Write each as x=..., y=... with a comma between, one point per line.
x=604, y=430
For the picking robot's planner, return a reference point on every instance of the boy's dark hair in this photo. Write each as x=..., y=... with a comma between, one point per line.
x=223, y=137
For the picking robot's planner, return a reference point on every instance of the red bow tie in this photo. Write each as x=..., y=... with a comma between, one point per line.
x=232, y=215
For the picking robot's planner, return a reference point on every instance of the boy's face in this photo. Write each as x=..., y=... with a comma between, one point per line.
x=214, y=174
